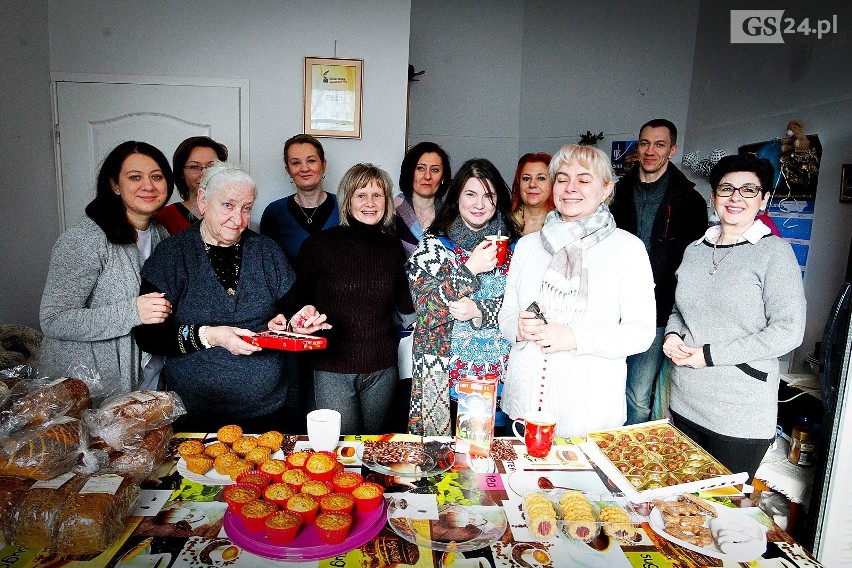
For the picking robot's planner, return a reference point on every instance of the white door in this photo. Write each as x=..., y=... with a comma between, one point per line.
x=92, y=118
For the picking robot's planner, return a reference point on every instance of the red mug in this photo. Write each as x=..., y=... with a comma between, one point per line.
x=540, y=429
x=501, y=243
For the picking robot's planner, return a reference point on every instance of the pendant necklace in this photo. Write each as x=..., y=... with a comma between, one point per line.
x=713, y=259
x=309, y=219
x=430, y=212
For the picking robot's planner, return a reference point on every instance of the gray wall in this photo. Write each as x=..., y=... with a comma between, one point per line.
x=264, y=41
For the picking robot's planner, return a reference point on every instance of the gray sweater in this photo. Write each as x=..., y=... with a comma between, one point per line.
x=89, y=305
x=746, y=315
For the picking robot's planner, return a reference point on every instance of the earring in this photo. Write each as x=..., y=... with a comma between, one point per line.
x=323, y=176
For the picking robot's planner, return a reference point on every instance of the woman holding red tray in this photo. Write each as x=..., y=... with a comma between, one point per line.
x=355, y=273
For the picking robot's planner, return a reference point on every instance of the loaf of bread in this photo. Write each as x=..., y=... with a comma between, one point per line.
x=33, y=519
x=65, y=397
x=122, y=421
x=11, y=491
x=88, y=521
x=44, y=452
x=141, y=461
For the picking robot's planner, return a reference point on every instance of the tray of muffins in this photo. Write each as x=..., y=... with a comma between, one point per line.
x=221, y=461
x=308, y=510
x=655, y=460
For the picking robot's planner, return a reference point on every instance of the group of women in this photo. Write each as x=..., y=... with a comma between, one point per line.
x=553, y=323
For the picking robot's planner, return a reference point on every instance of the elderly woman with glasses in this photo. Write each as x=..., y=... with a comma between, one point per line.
x=739, y=305
x=192, y=157
x=224, y=282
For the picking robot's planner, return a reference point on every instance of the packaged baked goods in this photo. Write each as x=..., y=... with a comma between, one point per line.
x=541, y=516
x=46, y=451
x=578, y=516
x=92, y=517
x=11, y=491
x=33, y=519
x=122, y=421
x=37, y=402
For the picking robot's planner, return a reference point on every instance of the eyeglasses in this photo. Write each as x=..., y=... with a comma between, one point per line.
x=196, y=169
x=747, y=191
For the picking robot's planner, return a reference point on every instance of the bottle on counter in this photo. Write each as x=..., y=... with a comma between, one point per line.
x=803, y=442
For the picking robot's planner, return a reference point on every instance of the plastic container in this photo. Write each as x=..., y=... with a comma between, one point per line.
x=803, y=443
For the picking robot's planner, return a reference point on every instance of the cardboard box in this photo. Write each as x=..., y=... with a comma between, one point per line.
x=477, y=397
x=286, y=341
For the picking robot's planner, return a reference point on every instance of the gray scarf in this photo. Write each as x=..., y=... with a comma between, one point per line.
x=565, y=285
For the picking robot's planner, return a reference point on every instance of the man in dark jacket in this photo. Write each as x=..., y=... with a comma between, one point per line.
x=656, y=202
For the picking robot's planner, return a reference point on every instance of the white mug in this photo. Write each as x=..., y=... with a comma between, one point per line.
x=324, y=429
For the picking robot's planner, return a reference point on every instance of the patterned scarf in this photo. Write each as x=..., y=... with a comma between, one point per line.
x=565, y=286
x=467, y=238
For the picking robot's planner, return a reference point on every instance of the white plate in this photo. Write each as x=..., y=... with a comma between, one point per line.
x=213, y=477
x=737, y=515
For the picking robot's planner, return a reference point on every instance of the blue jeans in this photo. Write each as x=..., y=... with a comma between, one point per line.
x=642, y=371
x=363, y=399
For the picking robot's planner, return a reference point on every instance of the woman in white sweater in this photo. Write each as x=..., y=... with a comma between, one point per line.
x=594, y=290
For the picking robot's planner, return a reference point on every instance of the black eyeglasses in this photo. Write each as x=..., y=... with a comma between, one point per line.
x=748, y=191
x=197, y=169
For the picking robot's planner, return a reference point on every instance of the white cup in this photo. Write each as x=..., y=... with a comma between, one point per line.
x=324, y=429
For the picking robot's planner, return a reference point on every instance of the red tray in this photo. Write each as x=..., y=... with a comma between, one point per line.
x=286, y=341
x=307, y=544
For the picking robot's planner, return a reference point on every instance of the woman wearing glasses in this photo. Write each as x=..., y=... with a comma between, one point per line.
x=192, y=157
x=739, y=305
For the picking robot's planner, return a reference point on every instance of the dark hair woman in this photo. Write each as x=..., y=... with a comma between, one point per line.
x=424, y=177
x=458, y=290
x=91, y=299
x=739, y=306
x=191, y=159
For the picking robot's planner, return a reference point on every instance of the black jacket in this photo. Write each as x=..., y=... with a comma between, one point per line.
x=680, y=220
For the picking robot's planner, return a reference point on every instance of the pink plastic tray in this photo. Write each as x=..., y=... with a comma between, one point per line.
x=307, y=544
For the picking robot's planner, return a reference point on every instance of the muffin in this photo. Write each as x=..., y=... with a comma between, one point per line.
x=258, y=455
x=274, y=468
x=199, y=464
x=347, y=481
x=320, y=466
x=303, y=505
x=256, y=478
x=223, y=463
x=368, y=496
x=216, y=449
x=255, y=513
x=244, y=445
x=190, y=448
x=271, y=440
x=297, y=460
x=333, y=527
x=278, y=493
x=282, y=526
x=316, y=488
x=239, y=468
x=229, y=434
x=295, y=477
x=337, y=503
x=238, y=495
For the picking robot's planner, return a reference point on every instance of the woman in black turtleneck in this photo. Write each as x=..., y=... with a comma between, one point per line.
x=355, y=274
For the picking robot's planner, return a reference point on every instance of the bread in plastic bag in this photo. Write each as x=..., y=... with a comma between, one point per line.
x=123, y=420
x=11, y=491
x=93, y=517
x=38, y=402
x=46, y=451
x=141, y=461
x=33, y=519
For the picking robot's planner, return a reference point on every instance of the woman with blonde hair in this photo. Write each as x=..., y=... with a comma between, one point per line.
x=355, y=274
x=579, y=299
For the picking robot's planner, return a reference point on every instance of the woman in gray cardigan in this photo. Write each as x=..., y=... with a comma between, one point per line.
x=91, y=299
x=739, y=305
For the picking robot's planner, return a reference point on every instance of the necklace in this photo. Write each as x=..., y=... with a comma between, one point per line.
x=713, y=259
x=425, y=216
x=309, y=219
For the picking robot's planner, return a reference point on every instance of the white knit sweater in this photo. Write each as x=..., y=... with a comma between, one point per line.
x=584, y=388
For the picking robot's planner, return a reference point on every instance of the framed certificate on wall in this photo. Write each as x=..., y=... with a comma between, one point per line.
x=333, y=89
